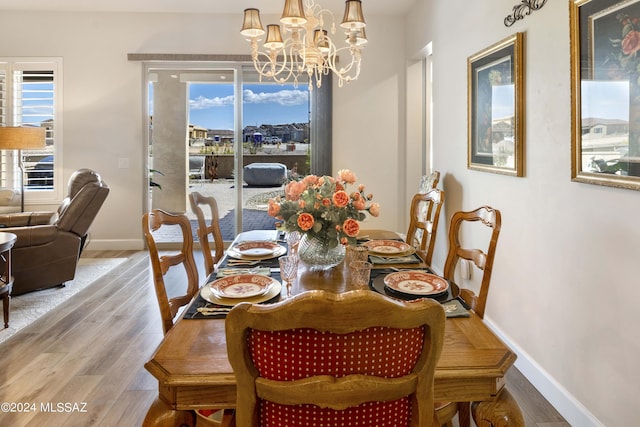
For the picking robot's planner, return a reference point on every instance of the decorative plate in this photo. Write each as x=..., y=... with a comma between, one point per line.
x=388, y=247
x=207, y=294
x=416, y=283
x=256, y=248
x=241, y=285
x=263, y=250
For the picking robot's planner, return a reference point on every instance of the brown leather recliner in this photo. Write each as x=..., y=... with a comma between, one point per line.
x=49, y=243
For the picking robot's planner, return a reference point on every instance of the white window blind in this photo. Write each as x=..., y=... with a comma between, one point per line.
x=29, y=97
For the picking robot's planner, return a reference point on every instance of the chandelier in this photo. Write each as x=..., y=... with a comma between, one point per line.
x=307, y=47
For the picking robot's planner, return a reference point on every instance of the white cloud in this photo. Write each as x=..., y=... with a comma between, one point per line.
x=285, y=98
x=202, y=103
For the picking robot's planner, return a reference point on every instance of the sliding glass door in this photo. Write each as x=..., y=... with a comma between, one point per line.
x=218, y=130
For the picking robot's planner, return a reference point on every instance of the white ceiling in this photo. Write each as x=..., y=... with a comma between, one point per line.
x=374, y=7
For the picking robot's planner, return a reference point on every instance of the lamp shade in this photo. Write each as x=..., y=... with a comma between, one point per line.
x=252, y=27
x=274, y=37
x=293, y=13
x=353, y=18
x=22, y=138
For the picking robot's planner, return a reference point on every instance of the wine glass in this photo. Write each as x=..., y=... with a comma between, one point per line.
x=288, y=270
x=293, y=240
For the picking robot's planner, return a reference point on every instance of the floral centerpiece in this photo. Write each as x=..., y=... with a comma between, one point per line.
x=327, y=215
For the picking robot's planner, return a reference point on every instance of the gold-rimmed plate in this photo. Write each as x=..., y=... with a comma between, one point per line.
x=256, y=248
x=207, y=294
x=416, y=283
x=266, y=252
x=241, y=286
x=389, y=248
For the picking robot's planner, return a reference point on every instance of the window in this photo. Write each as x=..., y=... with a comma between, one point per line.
x=29, y=96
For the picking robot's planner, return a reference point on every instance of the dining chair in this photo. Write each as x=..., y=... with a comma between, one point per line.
x=429, y=182
x=483, y=260
x=423, y=225
x=197, y=200
x=161, y=264
x=331, y=359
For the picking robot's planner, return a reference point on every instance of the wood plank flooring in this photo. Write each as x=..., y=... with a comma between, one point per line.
x=89, y=352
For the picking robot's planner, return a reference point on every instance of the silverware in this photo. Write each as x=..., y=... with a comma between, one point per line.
x=213, y=310
x=242, y=262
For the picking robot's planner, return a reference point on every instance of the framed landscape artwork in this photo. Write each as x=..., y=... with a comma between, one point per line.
x=605, y=89
x=496, y=108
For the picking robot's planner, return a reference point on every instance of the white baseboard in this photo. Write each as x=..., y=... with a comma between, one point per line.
x=564, y=402
x=115, y=245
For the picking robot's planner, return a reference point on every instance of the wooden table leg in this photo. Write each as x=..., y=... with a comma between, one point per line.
x=6, y=305
x=501, y=412
x=161, y=415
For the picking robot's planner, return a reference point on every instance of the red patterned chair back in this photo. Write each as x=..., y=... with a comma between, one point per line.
x=351, y=359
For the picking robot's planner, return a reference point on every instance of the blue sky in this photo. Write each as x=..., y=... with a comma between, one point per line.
x=211, y=105
x=605, y=99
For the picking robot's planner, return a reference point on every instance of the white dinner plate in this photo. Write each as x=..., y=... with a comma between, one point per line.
x=257, y=252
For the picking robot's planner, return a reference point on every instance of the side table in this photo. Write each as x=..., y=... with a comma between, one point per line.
x=7, y=240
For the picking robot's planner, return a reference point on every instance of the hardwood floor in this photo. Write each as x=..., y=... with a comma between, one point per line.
x=88, y=355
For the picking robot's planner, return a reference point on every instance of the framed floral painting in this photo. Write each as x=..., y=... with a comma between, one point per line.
x=605, y=89
x=496, y=108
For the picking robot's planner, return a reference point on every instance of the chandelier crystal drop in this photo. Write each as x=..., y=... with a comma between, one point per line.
x=307, y=47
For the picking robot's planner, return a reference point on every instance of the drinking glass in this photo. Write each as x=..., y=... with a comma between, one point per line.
x=356, y=253
x=360, y=273
x=288, y=270
x=293, y=240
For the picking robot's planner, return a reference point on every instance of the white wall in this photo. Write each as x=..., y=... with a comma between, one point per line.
x=564, y=282
x=563, y=288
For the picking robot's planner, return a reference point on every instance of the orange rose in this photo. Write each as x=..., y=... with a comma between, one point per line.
x=273, y=208
x=374, y=209
x=351, y=227
x=305, y=221
x=340, y=198
x=359, y=204
x=326, y=202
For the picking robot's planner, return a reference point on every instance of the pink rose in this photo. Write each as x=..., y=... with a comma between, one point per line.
x=345, y=175
x=294, y=189
x=374, y=209
x=631, y=43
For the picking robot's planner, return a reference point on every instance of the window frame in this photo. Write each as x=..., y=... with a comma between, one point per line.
x=53, y=135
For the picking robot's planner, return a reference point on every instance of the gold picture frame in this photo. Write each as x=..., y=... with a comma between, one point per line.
x=605, y=92
x=495, y=110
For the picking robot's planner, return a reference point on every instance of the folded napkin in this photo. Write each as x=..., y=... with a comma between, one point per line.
x=230, y=271
x=455, y=308
x=409, y=259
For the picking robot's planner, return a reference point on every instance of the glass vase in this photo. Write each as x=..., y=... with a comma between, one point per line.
x=320, y=254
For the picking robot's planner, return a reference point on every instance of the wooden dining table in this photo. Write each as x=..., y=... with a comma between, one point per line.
x=193, y=370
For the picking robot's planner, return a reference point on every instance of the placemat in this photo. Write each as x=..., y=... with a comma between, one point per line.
x=192, y=310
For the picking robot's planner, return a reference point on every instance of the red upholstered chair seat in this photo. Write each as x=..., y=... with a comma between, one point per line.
x=300, y=353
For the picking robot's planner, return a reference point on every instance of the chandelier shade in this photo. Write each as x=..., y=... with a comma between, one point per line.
x=307, y=50
x=353, y=18
x=252, y=27
x=293, y=13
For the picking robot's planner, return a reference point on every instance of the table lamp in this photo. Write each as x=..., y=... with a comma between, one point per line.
x=22, y=138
